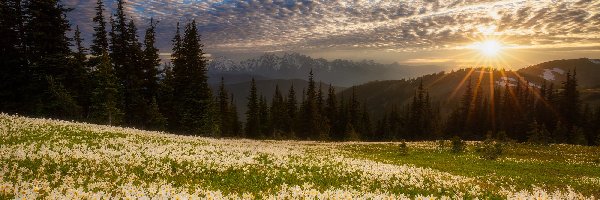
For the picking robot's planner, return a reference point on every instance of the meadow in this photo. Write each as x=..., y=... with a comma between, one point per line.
x=51, y=159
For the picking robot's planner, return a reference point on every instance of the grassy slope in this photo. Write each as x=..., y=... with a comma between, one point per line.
x=521, y=166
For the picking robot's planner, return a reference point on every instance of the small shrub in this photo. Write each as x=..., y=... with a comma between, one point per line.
x=403, y=149
x=458, y=145
x=491, y=150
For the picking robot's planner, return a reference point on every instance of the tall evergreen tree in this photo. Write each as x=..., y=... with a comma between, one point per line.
x=253, y=115
x=105, y=96
x=14, y=79
x=100, y=41
x=150, y=62
x=79, y=82
x=235, y=125
x=224, y=115
x=264, y=119
x=278, y=113
x=193, y=102
x=292, y=110
x=47, y=52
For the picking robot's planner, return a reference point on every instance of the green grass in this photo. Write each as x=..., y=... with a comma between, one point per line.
x=521, y=166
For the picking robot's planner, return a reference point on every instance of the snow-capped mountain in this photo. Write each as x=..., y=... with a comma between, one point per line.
x=297, y=66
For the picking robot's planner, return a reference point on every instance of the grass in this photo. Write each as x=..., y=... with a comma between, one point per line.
x=521, y=166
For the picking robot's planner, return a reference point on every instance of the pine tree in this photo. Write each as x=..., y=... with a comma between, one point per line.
x=150, y=62
x=278, y=114
x=330, y=113
x=105, y=96
x=100, y=41
x=47, y=52
x=193, y=102
x=310, y=128
x=292, y=110
x=263, y=116
x=236, y=125
x=79, y=82
x=365, y=124
x=570, y=103
x=253, y=115
x=14, y=79
x=224, y=115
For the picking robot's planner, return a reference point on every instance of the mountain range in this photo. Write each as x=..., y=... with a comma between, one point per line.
x=338, y=72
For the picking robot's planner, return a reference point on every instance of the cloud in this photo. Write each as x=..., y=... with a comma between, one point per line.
x=269, y=25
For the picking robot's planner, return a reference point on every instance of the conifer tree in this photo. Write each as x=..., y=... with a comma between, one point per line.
x=105, y=96
x=253, y=115
x=292, y=110
x=150, y=62
x=235, y=124
x=78, y=81
x=100, y=42
x=224, y=115
x=14, y=79
x=263, y=116
x=47, y=51
x=193, y=99
x=278, y=113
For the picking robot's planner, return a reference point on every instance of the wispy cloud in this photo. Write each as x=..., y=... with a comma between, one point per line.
x=268, y=25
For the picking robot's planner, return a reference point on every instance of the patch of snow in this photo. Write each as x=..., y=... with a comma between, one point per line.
x=595, y=61
x=506, y=81
x=548, y=74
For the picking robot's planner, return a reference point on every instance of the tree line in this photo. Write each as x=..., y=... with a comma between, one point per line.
x=119, y=80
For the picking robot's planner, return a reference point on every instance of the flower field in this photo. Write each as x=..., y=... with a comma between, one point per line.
x=48, y=159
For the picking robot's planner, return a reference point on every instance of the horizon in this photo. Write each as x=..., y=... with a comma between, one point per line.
x=434, y=33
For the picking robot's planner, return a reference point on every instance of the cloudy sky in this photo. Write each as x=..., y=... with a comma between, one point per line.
x=438, y=32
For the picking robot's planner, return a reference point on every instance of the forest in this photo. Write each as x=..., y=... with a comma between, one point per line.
x=119, y=80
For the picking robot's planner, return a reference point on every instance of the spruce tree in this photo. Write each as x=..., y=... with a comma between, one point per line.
x=100, y=42
x=263, y=116
x=79, y=82
x=224, y=115
x=278, y=113
x=292, y=110
x=235, y=125
x=14, y=79
x=48, y=52
x=105, y=96
x=150, y=62
x=193, y=99
x=253, y=115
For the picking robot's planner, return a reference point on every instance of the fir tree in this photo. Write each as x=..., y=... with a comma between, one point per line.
x=263, y=116
x=47, y=52
x=14, y=79
x=100, y=41
x=150, y=62
x=193, y=102
x=78, y=81
x=292, y=110
x=224, y=115
x=104, y=107
x=253, y=115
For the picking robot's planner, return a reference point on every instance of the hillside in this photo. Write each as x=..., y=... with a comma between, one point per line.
x=446, y=89
x=41, y=158
x=266, y=88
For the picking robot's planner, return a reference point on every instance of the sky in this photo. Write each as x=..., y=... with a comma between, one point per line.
x=509, y=33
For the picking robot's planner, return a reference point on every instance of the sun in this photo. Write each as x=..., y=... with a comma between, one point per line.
x=488, y=48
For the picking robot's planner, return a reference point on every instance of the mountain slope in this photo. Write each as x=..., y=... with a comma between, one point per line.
x=266, y=88
x=445, y=88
